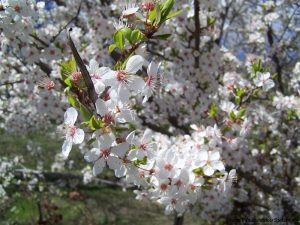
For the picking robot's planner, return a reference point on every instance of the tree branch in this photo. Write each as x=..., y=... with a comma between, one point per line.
x=197, y=31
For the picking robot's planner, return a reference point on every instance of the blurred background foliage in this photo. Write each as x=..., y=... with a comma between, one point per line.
x=62, y=203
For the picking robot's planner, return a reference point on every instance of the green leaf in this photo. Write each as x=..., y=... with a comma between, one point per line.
x=173, y=14
x=211, y=21
x=67, y=68
x=158, y=15
x=162, y=36
x=140, y=161
x=67, y=90
x=86, y=115
x=291, y=114
x=119, y=39
x=137, y=36
x=73, y=101
x=111, y=48
x=68, y=82
x=95, y=124
x=232, y=115
x=257, y=67
x=126, y=33
x=152, y=14
x=166, y=8
x=198, y=171
x=213, y=110
x=241, y=113
x=240, y=92
x=237, y=100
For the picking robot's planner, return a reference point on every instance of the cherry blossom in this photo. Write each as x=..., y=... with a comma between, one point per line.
x=73, y=134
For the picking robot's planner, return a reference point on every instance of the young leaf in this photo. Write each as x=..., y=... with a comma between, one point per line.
x=162, y=36
x=166, y=8
x=86, y=115
x=241, y=113
x=213, y=110
x=111, y=48
x=73, y=101
x=67, y=68
x=119, y=39
x=232, y=115
x=173, y=14
x=137, y=36
x=94, y=123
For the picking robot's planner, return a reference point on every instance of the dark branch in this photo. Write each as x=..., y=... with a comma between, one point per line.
x=85, y=73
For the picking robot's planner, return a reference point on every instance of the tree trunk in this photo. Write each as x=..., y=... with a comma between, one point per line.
x=178, y=220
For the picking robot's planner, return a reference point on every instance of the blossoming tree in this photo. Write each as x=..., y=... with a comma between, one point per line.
x=179, y=99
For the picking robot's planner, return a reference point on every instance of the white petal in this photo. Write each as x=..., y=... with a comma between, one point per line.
x=78, y=136
x=199, y=163
x=125, y=116
x=101, y=107
x=66, y=148
x=214, y=155
x=105, y=141
x=140, y=154
x=202, y=155
x=134, y=64
x=232, y=173
x=130, y=137
x=99, y=87
x=123, y=93
x=121, y=149
x=208, y=170
x=70, y=116
x=113, y=95
x=227, y=106
x=121, y=171
x=114, y=163
x=93, y=66
x=152, y=69
x=98, y=166
x=137, y=84
x=104, y=71
x=218, y=165
x=147, y=94
x=93, y=155
x=268, y=85
x=265, y=76
x=147, y=136
x=110, y=78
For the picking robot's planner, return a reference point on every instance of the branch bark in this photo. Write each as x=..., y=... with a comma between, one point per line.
x=54, y=177
x=197, y=31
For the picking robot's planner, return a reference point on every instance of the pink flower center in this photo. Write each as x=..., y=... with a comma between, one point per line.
x=173, y=201
x=193, y=187
x=17, y=9
x=143, y=146
x=178, y=183
x=150, y=80
x=50, y=85
x=105, y=153
x=148, y=5
x=168, y=166
x=72, y=131
x=105, y=96
x=108, y=119
x=163, y=187
x=122, y=76
x=76, y=76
